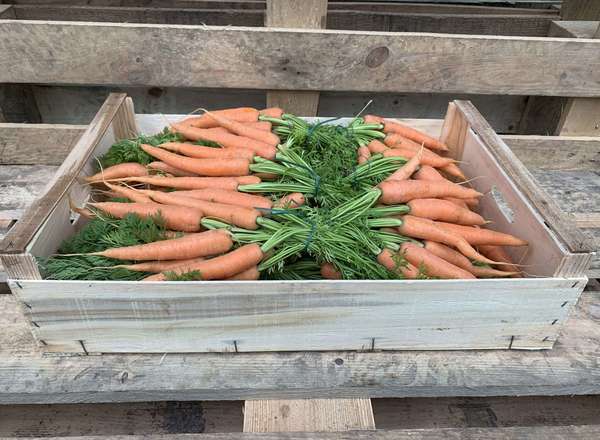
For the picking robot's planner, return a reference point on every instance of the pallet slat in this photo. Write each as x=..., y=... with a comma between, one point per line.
x=342, y=60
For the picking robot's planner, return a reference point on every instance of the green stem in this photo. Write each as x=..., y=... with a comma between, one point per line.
x=385, y=211
x=386, y=222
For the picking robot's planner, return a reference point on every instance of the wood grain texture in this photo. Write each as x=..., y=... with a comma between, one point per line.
x=114, y=419
x=556, y=152
x=574, y=29
x=413, y=7
x=19, y=186
x=309, y=14
x=113, y=317
x=336, y=61
x=556, y=219
x=308, y=415
x=532, y=25
x=20, y=235
x=571, y=368
x=37, y=144
x=584, y=432
x=579, y=117
x=580, y=10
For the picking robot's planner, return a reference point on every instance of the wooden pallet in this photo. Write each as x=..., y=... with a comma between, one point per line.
x=570, y=369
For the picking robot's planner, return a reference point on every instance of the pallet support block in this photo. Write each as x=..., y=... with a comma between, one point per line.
x=311, y=14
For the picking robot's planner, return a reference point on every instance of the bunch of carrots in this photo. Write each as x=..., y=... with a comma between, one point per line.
x=243, y=194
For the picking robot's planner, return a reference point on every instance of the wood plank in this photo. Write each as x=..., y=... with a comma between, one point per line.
x=37, y=144
x=376, y=20
x=591, y=220
x=555, y=218
x=485, y=412
x=114, y=419
x=525, y=433
x=20, y=235
x=571, y=368
x=308, y=415
x=429, y=63
x=580, y=10
x=579, y=116
x=164, y=418
x=556, y=152
x=19, y=186
x=397, y=7
x=412, y=315
x=309, y=14
x=573, y=29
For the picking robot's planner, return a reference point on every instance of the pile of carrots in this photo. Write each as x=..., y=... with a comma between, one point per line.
x=244, y=194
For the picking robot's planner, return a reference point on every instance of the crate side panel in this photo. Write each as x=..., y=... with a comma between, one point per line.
x=510, y=212
x=289, y=316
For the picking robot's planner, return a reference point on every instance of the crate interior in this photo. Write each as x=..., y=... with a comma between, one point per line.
x=503, y=204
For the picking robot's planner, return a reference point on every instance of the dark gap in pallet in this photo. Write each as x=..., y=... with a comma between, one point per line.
x=226, y=416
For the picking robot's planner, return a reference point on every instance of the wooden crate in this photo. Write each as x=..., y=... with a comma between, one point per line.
x=222, y=316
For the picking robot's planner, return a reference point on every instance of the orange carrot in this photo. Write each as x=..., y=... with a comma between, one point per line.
x=161, y=166
x=480, y=236
x=260, y=125
x=176, y=217
x=376, y=146
x=224, y=266
x=394, y=140
x=226, y=140
x=434, y=265
x=230, y=183
x=241, y=114
x=247, y=275
x=363, y=154
x=157, y=266
x=117, y=171
x=244, y=130
x=202, y=152
x=488, y=272
x=449, y=254
x=412, y=134
x=443, y=210
x=459, y=202
x=406, y=170
x=497, y=253
x=329, y=272
x=203, y=167
x=129, y=193
x=430, y=159
x=204, y=244
x=427, y=172
x=272, y=112
x=234, y=215
x=390, y=261
x=425, y=229
x=454, y=171
x=401, y=191
x=228, y=197
x=292, y=200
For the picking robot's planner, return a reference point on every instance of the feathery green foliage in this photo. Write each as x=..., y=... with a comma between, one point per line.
x=129, y=150
x=101, y=233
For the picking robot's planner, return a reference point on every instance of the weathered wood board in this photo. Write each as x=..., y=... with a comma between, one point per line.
x=336, y=61
x=533, y=24
x=133, y=317
x=28, y=377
